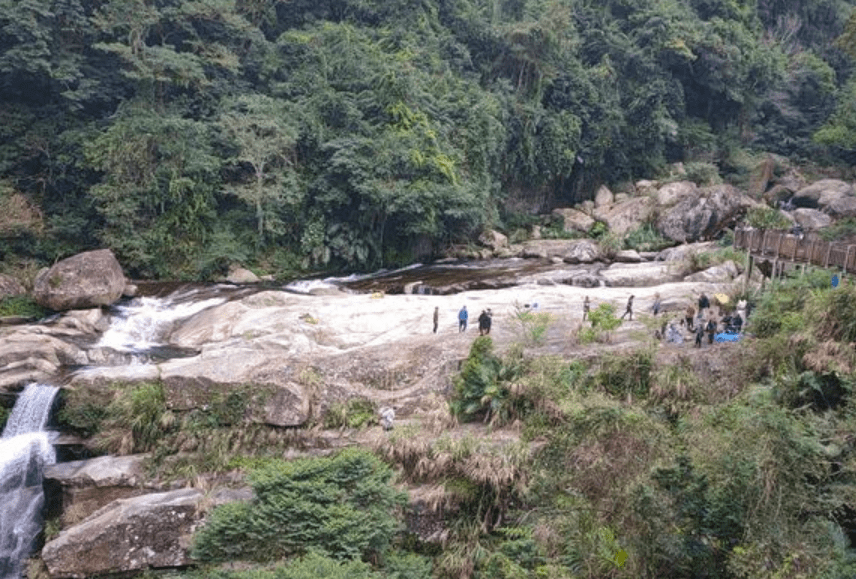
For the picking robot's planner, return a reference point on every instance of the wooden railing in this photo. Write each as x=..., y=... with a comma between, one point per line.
x=808, y=249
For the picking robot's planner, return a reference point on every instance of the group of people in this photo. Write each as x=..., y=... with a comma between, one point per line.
x=485, y=320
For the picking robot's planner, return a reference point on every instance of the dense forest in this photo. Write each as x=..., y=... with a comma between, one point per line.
x=351, y=134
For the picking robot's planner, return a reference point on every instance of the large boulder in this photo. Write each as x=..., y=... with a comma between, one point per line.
x=811, y=219
x=603, y=197
x=569, y=250
x=722, y=273
x=703, y=215
x=640, y=274
x=29, y=355
x=494, y=240
x=86, y=280
x=671, y=193
x=574, y=219
x=623, y=218
x=583, y=251
x=821, y=193
x=88, y=485
x=273, y=398
x=133, y=534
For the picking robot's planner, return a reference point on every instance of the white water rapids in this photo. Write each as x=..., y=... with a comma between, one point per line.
x=25, y=449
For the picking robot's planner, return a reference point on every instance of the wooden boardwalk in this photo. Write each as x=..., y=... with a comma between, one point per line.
x=784, y=247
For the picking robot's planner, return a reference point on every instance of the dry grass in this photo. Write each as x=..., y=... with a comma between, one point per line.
x=831, y=356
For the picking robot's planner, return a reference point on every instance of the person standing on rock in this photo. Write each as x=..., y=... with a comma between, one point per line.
x=484, y=323
x=586, y=308
x=629, y=309
x=699, y=334
x=703, y=304
x=689, y=315
x=462, y=319
x=711, y=330
x=436, y=318
x=657, y=303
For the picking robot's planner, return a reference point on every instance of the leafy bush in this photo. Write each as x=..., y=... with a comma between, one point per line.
x=625, y=375
x=702, y=173
x=533, y=325
x=603, y=321
x=82, y=410
x=646, y=238
x=841, y=229
x=764, y=217
x=342, y=506
x=313, y=565
x=482, y=389
x=4, y=417
x=353, y=413
x=135, y=420
x=22, y=305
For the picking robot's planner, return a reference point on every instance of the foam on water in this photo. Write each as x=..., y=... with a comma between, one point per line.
x=141, y=324
x=25, y=450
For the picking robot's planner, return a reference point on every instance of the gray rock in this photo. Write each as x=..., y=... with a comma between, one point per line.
x=703, y=215
x=628, y=256
x=583, y=251
x=494, y=240
x=570, y=250
x=640, y=275
x=86, y=280
x=603, y=197
x=133, y=534
x=811, y=219
x=627, y=216
x=9, y=286
x=722, y=273
x=684, y=252
x=574, y=219
x=27, y=354
x=671, y=193
x=821, y=193
x=89, y=485
x=238, y=275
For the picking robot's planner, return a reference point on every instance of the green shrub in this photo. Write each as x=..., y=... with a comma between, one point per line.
x=353, y=413
x=702, y=173
x=135, y=420
x=23, y=306
x=603, y=322
x=313, y=565
x=83, y=409
x=842, y=229
x=764, y=217
x=598, y=230
x=4, y=417
x=646, y=238
x=625, y=375
x=343, y=506
x=532, y=324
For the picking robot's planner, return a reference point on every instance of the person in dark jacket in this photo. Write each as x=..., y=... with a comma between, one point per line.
x=436, y=318
x=711, y=330
x=628, y=309
x=484, y=323
x=703, y=304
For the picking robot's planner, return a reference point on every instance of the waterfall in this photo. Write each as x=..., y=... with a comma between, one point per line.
x=24, y=451
x=141, y=324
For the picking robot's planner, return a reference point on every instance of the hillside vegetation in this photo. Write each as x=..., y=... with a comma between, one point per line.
x=295, y=135
x=733, y=461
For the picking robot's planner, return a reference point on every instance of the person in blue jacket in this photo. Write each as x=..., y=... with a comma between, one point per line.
x=462, y=319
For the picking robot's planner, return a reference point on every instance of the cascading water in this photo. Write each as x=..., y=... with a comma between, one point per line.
x=25, y=449
x=139, y=325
